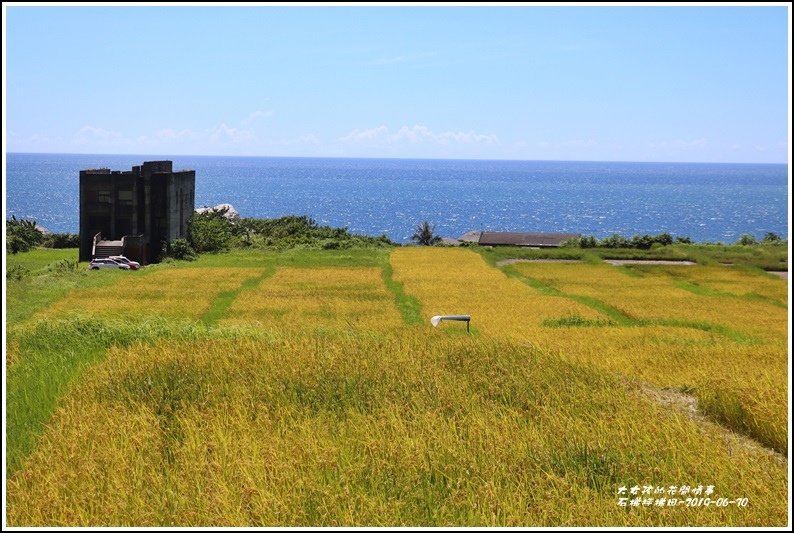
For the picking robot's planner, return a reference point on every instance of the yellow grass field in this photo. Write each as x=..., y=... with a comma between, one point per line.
x=455, y=281
x=655, y=295
x=742, y=385
x=313, y=398
x=729, y=280
x=401, y=430
x=184, y=293
x=353, y=298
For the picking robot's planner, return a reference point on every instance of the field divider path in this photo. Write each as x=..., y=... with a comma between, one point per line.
x=700, y=290
x=410, y=308
x=224, y=300
x=54, y=353
x=622, y=319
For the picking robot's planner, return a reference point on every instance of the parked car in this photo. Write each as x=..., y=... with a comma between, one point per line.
x=134, y=265
x=96, y=264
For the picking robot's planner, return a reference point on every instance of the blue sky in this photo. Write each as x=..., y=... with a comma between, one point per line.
x=706, y=84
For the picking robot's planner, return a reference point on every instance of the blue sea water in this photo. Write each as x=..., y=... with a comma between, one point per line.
x=706, y=202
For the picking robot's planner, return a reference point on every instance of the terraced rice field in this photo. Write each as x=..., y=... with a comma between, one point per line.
x=456, y=281
x=309, y=298
x=314, y=392
x=184, y=293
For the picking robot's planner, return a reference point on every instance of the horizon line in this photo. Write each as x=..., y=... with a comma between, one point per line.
x=409, y=158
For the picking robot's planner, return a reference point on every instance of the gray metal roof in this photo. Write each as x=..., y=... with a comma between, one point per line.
x=510, y=238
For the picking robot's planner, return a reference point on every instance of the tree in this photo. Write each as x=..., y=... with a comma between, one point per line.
x=771, y=238
x=22, y=235
x=424, y=235
x=746, y=240
x=209, y=231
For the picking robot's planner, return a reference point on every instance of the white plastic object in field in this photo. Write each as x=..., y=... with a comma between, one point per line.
x=436, y=320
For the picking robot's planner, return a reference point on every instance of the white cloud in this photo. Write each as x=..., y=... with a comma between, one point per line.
x=256, y=115
x=364, y=135
x=224, y=133
x=93, y=134
x=680, y=144
x=418, y=134
x=309, y=138
x=423, y=133
x=172, y=134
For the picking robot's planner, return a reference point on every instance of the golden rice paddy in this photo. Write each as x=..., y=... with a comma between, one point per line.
x=655, y=295
x=397, y=430
x=454, y=281
x=184, y=293
x=348, y=298
x=311, y=401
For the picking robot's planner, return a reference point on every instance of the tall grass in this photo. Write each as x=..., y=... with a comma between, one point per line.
x=48, y=356
x=656, y=296
x=288, y=389
x=724, y=383
x=318, y=298
x=174, y=292
x=457, y=281
x=400, y=430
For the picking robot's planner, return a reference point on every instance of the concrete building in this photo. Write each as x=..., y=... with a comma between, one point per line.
x=132, y=212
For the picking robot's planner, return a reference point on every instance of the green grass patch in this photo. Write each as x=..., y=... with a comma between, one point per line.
x=615, y=315
x=224, y=301
x=576, y=321
x=52, y=354
x=730, y=333
x=701, y=290
x=409, y=306
x=26, y=296
x=39, y=258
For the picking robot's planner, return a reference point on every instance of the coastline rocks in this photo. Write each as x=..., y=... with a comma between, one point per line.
x=231, y=213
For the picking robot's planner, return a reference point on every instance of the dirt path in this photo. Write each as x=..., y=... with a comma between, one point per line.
x=615, y=262
x=688, y=405
x=504, y=262
x=783, y=275
x=618, y=262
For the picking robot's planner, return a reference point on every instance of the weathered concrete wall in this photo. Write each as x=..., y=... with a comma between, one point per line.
x=150, y=200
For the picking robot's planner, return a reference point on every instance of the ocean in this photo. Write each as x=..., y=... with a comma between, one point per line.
x=704, y=201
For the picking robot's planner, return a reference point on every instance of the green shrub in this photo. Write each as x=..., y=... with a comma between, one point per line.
x=209, y=231
x=771, y=238
x=61, y=240
x=17, y=272
x=64, y=266
x=22, y=235
x=747, y=240
x=180, y=249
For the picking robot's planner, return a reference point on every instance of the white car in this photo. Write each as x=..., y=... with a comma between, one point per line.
x=96, y=264
x=134, y=265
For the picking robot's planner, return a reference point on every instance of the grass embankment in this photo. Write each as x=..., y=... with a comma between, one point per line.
x=299, y=412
